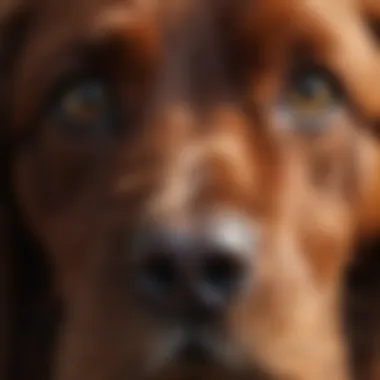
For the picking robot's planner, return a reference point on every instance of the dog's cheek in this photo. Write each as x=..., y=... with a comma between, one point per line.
x=369, y=181
x=47, y=180
x=39, y=190
x=328, y=241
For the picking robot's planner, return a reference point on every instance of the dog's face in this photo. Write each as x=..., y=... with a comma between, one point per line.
x=193, y=170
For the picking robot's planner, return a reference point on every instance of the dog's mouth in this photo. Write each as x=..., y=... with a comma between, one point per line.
x=195, y=353
x=201, y=355
x=198, y=350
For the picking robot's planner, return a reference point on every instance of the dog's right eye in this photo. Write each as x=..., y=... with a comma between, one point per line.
x=85, y=108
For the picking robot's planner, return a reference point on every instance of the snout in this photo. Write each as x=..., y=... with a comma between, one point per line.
x=194, y=274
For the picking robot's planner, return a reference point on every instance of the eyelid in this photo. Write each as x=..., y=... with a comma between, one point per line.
x=320, y=72
x=307, y=57
x=78, y=65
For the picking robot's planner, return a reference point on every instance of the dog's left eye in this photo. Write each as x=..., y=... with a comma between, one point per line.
x=310, y=99
x=85, y=108
x=312, y=92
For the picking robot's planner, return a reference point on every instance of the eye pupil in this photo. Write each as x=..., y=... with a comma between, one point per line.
x=310, y=87
x=92, y=93
x=313, y=92
x=85, y=108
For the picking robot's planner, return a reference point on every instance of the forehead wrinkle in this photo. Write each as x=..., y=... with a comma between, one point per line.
x=318, y=21
x=192, y=65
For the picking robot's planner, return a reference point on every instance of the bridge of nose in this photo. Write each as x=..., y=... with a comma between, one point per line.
x=203, y=173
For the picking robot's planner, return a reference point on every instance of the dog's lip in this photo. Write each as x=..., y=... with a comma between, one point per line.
x=195, y=353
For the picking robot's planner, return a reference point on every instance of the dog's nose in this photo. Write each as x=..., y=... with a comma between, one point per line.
x=195, y=273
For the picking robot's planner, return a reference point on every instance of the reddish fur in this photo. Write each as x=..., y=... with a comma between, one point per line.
x=5, y=299
x=76, y=199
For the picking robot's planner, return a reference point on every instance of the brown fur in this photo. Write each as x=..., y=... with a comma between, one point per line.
x=5, y=299
x=311, y=196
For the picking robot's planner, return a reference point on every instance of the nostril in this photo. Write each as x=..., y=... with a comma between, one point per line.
x=222, y=272
x=158, y=273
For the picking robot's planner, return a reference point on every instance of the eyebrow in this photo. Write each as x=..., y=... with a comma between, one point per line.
x=135, y=30
x=351, y=51
x=71, y=51
x=339, y=34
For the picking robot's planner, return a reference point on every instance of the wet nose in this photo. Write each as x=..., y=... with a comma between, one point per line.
x=195, y=273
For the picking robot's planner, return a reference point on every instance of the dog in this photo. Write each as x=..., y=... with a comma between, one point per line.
x=195, y=173
x=4, y=296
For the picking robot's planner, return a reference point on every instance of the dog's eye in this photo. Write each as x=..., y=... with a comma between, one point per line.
x=85, y=108
x=310, y=99
x=313, y=91
x=311, y=94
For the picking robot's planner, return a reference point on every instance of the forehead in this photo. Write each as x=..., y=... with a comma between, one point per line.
x=322, y=18
x=334, y=31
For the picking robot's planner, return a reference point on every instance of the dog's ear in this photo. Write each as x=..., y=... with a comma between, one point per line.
x=29, y=312
x=5, y=295
x=13, y=25
x=15, y=20
x=15, y=16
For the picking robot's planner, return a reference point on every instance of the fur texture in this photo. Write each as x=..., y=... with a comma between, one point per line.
x=204, y=117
